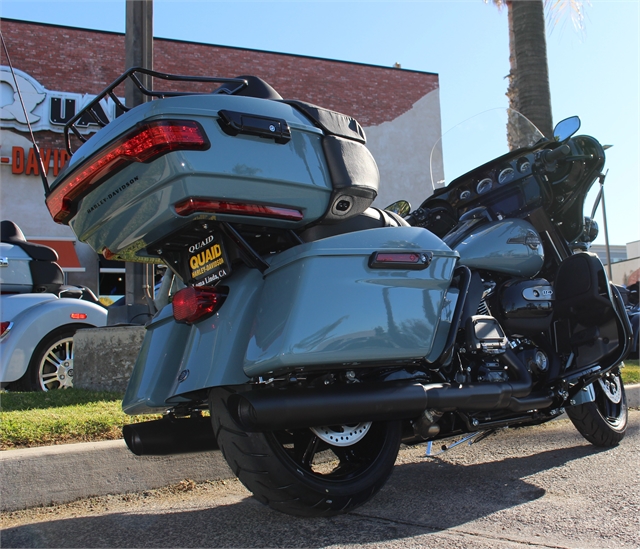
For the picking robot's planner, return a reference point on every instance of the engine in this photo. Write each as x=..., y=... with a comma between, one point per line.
x=512, y=315
x=524, y=307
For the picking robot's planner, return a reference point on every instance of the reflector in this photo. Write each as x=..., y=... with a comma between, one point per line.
x=78, y=316
x=192, y=205
x=197, y=302
x=4, y=328
x=397, y=258
x=400, y=260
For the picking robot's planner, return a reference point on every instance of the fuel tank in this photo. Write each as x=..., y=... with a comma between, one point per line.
x=510, y=246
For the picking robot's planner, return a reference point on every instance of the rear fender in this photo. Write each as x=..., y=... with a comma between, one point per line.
x=34, y=323
x=178, y=359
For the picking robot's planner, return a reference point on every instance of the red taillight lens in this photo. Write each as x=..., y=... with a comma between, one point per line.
x=78, y=316
x=193, y=205
x=143, y=144
x=4, y=328
x=197, y=302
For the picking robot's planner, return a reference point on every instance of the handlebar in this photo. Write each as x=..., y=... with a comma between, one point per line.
x=551, y=156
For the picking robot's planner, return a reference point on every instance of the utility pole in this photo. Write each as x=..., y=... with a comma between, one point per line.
x=139, y=278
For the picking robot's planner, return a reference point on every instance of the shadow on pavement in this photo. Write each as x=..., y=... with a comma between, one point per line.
x=420, y=498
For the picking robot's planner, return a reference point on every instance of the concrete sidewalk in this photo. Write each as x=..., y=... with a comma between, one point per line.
x=60, y=474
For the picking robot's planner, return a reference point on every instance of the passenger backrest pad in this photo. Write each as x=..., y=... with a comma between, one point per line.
x=354, y=175
x=353, y=170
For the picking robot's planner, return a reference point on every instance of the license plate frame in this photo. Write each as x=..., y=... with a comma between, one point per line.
x=207, y=261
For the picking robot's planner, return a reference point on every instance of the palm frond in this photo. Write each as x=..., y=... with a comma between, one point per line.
x=560, y=9
x=498, y=3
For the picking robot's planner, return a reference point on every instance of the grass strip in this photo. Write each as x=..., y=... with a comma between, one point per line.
x=79, y=415
x=61, y=417
x=631, y=372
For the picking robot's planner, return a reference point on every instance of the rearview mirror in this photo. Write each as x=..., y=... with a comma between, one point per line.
x=566, y=128
x=401, y=207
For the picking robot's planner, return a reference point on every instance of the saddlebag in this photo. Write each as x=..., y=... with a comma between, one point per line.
x=331, y=303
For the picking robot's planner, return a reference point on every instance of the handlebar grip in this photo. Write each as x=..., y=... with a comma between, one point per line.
x=411, y=219
x=552, y=155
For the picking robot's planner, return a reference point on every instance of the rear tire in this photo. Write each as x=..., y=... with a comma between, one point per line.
x=603, y=422
x=296, y=472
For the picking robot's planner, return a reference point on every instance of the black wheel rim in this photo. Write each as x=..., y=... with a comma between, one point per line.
x=311, y=456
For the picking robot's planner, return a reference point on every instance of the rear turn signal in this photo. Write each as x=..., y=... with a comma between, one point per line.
x=145, y=143
x=197, y=302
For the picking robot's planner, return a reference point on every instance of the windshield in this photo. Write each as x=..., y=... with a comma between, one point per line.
x=478, y=140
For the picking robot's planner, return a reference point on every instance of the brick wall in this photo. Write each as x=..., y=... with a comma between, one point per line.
x=83, y=61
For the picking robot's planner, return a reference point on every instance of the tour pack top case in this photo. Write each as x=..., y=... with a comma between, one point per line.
x=170, y=162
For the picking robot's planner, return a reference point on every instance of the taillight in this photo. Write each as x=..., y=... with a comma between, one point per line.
x=205, y=205
x=4, y=328
x=147, y=142
x=197, y=302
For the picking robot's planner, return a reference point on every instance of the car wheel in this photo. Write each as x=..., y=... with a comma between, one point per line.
x=51, y=365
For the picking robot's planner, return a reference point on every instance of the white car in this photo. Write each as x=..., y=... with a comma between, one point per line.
x=38, y=315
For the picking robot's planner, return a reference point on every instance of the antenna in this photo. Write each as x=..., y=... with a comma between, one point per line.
x=43, y=174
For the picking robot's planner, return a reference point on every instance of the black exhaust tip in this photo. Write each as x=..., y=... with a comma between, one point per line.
x=167, y=436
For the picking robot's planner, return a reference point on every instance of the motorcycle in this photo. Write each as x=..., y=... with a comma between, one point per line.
x=39, y=315
x=320, y=333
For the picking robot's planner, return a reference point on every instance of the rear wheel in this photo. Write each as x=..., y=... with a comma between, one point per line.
x=603, y=422
x=305, y=472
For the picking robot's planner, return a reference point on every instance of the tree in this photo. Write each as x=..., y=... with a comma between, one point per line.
x=528, y=89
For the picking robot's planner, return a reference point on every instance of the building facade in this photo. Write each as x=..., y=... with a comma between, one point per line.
x=59, y=69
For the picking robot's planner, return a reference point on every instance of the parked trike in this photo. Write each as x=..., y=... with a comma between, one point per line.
x=39, y=315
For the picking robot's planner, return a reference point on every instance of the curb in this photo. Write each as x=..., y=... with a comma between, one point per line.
x=633, y=396
x=64, y=473
x=61, y=474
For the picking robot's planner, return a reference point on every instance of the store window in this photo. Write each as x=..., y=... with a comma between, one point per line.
x=111, y=281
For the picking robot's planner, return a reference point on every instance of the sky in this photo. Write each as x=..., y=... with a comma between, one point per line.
x=594, y=73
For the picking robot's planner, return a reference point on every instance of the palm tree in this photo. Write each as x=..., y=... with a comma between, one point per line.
x=528, y=90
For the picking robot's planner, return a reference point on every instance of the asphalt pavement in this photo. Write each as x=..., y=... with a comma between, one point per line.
x=542, y=487
x=59, y=474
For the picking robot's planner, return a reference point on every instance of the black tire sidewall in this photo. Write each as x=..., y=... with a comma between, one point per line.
x=593, y=426
x=262, y=465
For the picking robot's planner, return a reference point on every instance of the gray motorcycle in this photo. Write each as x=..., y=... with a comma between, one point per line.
x=314, y=333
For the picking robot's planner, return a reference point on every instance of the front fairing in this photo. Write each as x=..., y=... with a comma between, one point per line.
x=487, y=168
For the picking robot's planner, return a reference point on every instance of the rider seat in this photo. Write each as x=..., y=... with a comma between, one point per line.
x=371, y=218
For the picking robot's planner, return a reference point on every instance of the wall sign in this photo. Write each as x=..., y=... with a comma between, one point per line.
x=46, y=109
x=24, y=161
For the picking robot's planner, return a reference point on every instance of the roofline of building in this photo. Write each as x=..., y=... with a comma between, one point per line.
x=5, y=19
